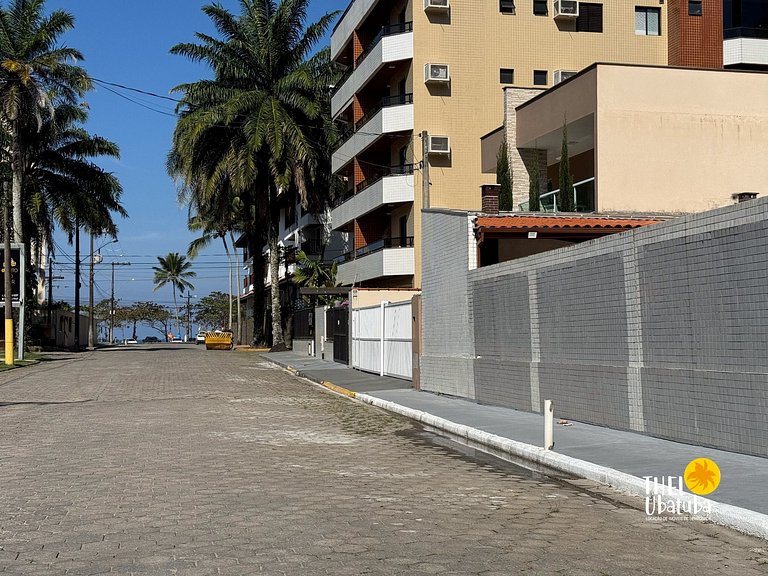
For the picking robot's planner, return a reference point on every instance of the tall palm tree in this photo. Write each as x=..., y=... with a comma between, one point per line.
x=271, y=90
x=174, y=269
x=35, y=72
x=62, y=182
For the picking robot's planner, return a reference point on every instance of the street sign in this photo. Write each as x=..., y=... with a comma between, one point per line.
x=17, y=275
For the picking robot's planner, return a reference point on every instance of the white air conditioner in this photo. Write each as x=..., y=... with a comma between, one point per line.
x=437, y=4
x=566, y=9
x=561, y=75
x=439, y=145
x=437, y=73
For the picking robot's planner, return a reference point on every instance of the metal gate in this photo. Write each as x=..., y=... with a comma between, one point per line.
x=337, y=329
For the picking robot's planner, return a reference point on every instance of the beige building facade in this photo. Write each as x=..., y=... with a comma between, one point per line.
x=440, y=67
x=653, y=139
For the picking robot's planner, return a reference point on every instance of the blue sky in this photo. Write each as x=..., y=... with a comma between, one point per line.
x=127, y=42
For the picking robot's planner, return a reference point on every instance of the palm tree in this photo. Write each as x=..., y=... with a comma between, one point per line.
x=174, y=269
x=34, y=74
x=62, y=183
x=271, y=90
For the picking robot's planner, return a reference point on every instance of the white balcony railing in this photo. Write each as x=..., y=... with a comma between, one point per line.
x=385, y=262
x=392, y=189
x=388, y=120
x=393, y=48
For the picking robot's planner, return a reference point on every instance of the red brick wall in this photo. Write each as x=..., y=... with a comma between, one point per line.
x=370, y=229
x=695, y=41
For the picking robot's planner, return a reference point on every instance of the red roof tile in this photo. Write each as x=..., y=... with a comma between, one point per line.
x=525, y=223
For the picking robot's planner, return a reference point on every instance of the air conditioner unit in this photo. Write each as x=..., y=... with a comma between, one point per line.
x=561, y=75
x=437, y=73
x=566, y=9
x=439, y=145
x=437, y=4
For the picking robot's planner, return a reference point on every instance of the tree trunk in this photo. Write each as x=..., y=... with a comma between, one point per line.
x=18, y=170
x=274, y=268
x=258, y=309
x=176, y=313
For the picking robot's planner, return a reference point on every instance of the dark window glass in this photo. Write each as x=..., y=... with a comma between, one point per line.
x=694, y=7
x=507, y=76
x=590, y=18
x=539, y=77
x=540, y=7
x=507, y=6
x=647, y=21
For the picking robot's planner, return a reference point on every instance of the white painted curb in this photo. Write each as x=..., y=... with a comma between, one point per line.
x=741, y=519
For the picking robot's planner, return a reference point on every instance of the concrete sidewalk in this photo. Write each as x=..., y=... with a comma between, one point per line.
x=613, y=457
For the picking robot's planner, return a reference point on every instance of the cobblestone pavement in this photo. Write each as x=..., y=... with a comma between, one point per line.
x=173, y=460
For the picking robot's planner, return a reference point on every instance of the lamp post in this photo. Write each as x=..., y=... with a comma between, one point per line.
x=92, y=326
x=112, y=302
x=189, y=317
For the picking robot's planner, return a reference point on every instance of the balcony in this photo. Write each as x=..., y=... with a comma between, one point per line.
x=745, y=47
x=386, y=257
x=393, y=186
x=583, y=198
x=394, y=114
x=354, y=15
x=394, y=43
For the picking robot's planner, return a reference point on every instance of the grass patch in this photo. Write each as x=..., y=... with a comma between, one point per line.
x=30, y=359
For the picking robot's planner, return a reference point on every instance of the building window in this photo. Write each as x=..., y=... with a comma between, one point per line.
x=539, y=77
x=540, y=7
x=507, y=76
x=694, y=8
x=507, y=6
x=647, y=21
x=590, y=18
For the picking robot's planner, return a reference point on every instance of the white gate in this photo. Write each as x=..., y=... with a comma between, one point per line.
x=382, y=339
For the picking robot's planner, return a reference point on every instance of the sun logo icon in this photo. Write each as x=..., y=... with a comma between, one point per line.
x=702, y=476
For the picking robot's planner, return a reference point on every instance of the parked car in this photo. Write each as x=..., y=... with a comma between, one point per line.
x=151, y=339
x=200, y=338
x=131, y=341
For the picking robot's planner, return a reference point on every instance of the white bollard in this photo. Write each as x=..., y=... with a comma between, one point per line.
x=549, y=425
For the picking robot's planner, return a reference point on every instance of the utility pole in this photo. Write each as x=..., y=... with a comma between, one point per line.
x=7, y=277
x=424, y=170
x=77, y=284
x=91, y=322
x=50, y=292
x=189, y=318
x=112, y=302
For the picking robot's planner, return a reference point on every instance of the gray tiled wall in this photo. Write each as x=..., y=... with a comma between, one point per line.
x=662, y=330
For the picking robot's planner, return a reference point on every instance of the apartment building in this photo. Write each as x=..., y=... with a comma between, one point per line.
x=439, y=67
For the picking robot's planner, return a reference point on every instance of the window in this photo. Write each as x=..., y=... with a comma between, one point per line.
x=694, y=8
x=507, y=76
x=540, y=7
x=539, y=77
x=590, y=18
x=647, y=21
x=507, y=6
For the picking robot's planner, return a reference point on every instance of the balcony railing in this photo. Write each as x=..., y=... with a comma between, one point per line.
x=743, y=32
x=312, y=246
x=583, y=198
x=398, y=242
x=400, y=28
x=387, y=101
x=391, y=171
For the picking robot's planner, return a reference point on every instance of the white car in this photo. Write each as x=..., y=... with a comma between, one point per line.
x=131, y=341
x=200, y=338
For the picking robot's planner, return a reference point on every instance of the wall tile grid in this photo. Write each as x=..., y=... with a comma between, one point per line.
x=663, y=329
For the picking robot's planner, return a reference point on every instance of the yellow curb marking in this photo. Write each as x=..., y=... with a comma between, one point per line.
x=251, y=349
x=338, y=389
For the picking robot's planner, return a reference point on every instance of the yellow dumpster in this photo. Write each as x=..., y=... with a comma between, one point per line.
x=218, y=340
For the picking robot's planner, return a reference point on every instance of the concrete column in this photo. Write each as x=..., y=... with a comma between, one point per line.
x=533, y=307
x=634, y=339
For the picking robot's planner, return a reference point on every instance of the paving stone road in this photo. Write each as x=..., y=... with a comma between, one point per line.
x=168, y=459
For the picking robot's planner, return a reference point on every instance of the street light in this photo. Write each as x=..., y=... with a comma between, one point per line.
x=189, y=317
x=112, y=300
x=92, y=326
